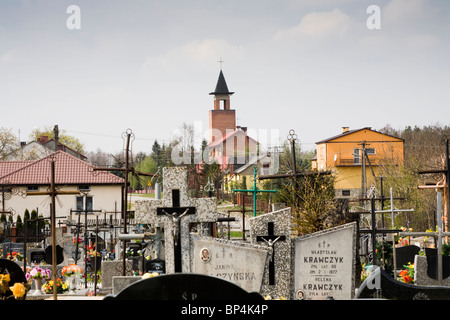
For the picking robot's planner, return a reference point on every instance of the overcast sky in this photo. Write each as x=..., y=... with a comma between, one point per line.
x=312, y=66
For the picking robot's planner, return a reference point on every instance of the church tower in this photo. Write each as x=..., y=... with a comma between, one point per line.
x=221, y=117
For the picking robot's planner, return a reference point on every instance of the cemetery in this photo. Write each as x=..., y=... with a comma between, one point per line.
x=324, y=240
x=173, y=252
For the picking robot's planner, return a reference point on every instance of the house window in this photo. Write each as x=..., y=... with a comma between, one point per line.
x=84, y=187
x=265, y=168
x=345, y=192
x=370, y=151
x=356, y=156
x=82, y=205
x=32, y=188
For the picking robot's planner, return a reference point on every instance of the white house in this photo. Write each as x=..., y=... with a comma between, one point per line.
x=100, y=189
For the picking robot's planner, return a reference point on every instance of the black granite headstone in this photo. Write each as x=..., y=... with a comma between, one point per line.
x=380, y=285
x=183, y=286
x=156, y=265
x=406, y=254
x=59, y=254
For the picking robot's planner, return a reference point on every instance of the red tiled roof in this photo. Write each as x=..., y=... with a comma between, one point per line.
x=10, y=166
x=68, y=170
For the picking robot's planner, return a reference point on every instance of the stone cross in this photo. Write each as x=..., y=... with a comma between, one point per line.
x=176, y=212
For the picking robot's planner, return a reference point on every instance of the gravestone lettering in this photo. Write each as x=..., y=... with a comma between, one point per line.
x=324, y=264
x=237, y=262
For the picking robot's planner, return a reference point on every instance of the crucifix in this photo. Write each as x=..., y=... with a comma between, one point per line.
x=128, y=169
x=255, y=190
x=271, y=239
x=175, y=213
x=53, y=193
x=292, y=138
x=373, y=231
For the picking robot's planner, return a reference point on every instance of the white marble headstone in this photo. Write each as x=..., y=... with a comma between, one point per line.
x=324, y=264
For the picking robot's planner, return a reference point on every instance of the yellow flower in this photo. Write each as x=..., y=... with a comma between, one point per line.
x=5, y=278
x=18, y=290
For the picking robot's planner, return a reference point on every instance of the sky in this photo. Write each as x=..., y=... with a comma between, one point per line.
x=148, y=66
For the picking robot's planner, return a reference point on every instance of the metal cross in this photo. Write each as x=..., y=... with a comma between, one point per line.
x=255, y=190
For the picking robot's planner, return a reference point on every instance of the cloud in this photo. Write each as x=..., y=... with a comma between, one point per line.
x=193, y=55
x=6, y=57
x=317, y=25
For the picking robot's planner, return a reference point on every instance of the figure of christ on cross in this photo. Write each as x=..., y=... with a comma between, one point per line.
x=175, y=213
x=271, y=239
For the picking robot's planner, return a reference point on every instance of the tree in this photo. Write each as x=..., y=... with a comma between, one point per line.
x=424, y=149
x=8, y=142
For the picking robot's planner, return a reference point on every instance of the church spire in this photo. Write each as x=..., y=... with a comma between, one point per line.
x=221, y=86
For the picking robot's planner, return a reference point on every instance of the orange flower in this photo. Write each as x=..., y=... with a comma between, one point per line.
x=403, y=273
x=407, y=279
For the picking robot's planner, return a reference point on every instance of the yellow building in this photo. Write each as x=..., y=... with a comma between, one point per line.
x=343, y=155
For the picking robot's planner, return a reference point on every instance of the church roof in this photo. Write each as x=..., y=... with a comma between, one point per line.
x=221, y=86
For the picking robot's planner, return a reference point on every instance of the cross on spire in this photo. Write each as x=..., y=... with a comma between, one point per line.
x=220, y=61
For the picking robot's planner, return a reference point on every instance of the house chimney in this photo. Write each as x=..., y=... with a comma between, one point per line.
x=345, y=129
x=43, y=139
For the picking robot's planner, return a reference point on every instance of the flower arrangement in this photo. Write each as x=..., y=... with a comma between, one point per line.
x=407, y=274
x=61, y=286
x=14, y=256
x=74, y=240
x=403, y=241
x=71, y=269
x=39, y=273
x=17, y=291
x=150, y=275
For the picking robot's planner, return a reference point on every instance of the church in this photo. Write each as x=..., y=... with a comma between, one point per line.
x=229, y=144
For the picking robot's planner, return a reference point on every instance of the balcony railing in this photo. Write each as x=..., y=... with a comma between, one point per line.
x=354, y=162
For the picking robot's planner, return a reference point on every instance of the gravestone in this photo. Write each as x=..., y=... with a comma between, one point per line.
x=324, y=264
x=181, y=286
x=405, y=255
x=36, y=255
x=238, y=262
x=112, y=269
x=59, y=254
x=155, y=265
x=422, y=272
x=381, y=285
x=176, y=212
x=9, y=247
x=273, y=230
